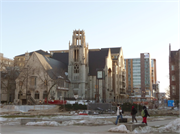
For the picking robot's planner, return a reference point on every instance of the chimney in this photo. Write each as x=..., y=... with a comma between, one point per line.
x=26, y=56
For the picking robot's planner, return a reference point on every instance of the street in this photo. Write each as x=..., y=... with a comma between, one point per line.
x=72, y=129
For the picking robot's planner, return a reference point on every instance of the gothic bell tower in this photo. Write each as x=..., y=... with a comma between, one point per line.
x=78, y=64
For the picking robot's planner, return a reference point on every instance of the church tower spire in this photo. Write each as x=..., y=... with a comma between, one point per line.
x=78, y=62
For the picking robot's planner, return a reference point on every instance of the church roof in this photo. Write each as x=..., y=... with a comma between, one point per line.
x=38, y=51
x=54, y=68
x=114, y=50
x=63, y=57
x=97, y=60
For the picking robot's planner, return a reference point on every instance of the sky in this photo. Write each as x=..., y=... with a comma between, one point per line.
x=136, y=26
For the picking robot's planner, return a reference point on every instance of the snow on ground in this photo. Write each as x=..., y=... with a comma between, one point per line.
x=71, y=122
x=83, y=102
x=8, y=119
x=87, y=122
x=146, y=129
x=86, y=117
x=120, y=128
x=3, y=119
x=11, y=123
x=173, y=126
x=43, y=123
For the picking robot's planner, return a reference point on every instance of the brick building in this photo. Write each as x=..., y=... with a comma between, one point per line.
x=174, y=73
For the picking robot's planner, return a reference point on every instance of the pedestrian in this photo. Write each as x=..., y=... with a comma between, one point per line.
x=133, y=113
x=119, y=112
x=144, y=114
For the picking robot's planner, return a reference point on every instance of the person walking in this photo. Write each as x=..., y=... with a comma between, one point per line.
x=133, y=113
x=144, y=114
x=119, y=113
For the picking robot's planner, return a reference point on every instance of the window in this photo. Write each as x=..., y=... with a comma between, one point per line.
x=173, y=78
x=76, y=55
x=28, y=93
x=33, y=81
x=59, y=94
x=172, y=67
x=37, y=95
x=45, y=95
x=76, y=68
x=20, y=83
x=45, y=83
x=19, y=94
x=173, y=89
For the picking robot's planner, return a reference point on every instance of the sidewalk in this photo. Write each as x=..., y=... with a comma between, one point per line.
x=163, y=122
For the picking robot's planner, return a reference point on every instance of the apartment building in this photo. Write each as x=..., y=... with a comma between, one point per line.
x=5, y=62
x=140, y=77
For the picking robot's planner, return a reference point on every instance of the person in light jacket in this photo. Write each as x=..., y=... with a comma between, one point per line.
x=119, y=113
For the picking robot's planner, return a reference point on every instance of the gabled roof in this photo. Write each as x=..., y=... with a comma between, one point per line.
x=38, y=51
x=53, y=67
x=63, y=57
x=114, y=50
x=97, y=60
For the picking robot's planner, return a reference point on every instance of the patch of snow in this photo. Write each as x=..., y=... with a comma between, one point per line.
x=146, y=129
x=60, y=77
x=43, y=123
x=66, y=73
x=3, y=119
x=87, y=122
x=11, y=123
x=173, y=126
x=67, y=123
x=120, y=128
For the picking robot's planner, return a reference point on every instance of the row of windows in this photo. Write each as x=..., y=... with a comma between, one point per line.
x=20, y=59
x=173, y=89
x=36, y=94
x=6, y=62
x=32, y=81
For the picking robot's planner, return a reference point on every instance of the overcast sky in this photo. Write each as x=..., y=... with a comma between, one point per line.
x=136, y=26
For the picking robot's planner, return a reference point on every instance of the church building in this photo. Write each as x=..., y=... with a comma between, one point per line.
x=94, y=74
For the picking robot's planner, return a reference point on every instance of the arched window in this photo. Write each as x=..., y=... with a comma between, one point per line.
x=76, y=68
x=45, y=95
x=20, y=94
x=36, y=95
x=28, y=93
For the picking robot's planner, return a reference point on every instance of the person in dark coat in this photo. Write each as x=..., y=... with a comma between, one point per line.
x=145, y=116
x=133, y=113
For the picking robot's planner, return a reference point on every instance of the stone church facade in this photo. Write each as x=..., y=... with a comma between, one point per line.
x=94, y=74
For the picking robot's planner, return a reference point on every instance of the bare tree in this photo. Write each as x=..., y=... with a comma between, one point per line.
x=8, y=84
x=50, y=78
x=167, y=92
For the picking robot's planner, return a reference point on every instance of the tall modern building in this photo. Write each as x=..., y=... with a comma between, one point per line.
x=174, y=73
x=140, y=77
